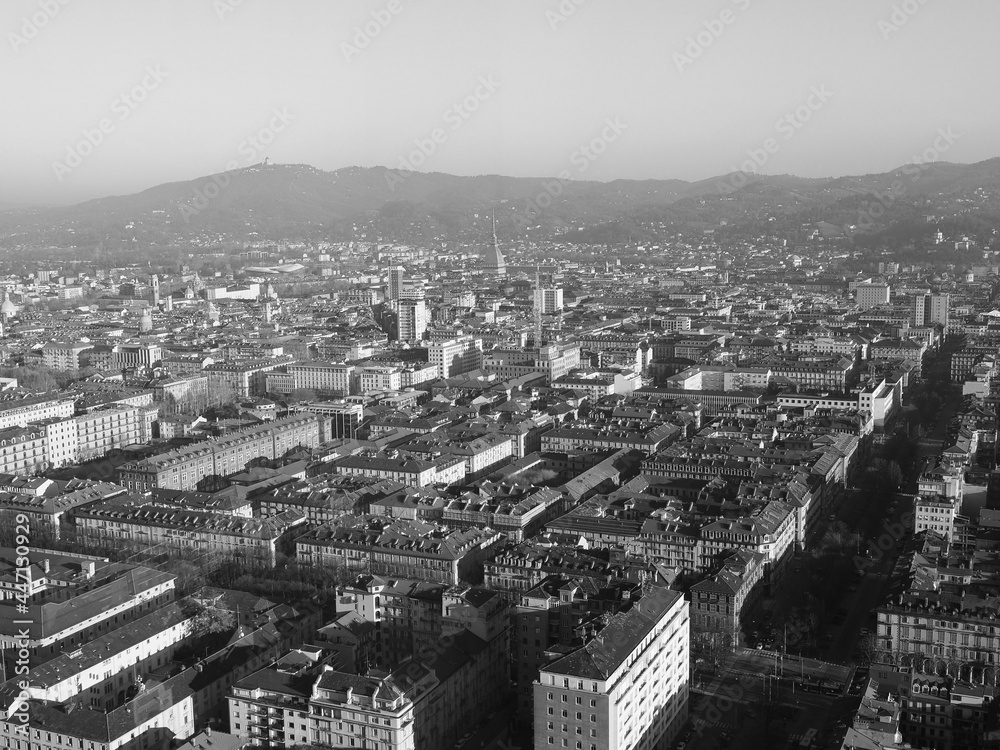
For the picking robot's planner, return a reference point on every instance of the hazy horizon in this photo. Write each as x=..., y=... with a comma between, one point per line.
x=195, y=178
x=116, y=99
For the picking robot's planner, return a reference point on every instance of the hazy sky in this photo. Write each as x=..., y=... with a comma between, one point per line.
x=177, y=89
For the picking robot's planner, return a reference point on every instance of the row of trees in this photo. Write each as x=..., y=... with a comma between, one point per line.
x=40, y=378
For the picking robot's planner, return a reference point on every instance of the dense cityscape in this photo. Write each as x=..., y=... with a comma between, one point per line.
x=499, y=375
x=364, y=494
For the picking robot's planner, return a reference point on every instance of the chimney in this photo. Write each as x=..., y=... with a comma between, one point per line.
x=45, y=565
x=91, y=568
x=208, y=731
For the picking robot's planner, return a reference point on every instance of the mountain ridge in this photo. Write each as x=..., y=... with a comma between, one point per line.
x=298, y=200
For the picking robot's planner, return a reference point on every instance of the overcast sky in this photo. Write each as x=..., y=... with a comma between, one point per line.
x=176, y=89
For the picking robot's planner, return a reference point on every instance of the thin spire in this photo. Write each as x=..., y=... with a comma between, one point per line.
x=495, y=262
x=539, y=302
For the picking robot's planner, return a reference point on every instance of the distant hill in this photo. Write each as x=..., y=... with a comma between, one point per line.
x=301, y=201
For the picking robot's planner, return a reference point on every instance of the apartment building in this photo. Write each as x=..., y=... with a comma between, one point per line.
x=23, y=450
x=455, y=356
x=550, y=361
x=412, y=615
x=929, y=309
x=941, y=628
x=19, y=411
x=624, y=349
x=410, y=471
x=557, y=615
x=182, y=469
x=426, y=703
x=78, y=598
x=64, y=355
x=935, y=513
x=931, y=710
x=872, y=295
x=143, y=524
x=327, y=499
x=598, y=384
x=520, y=567
x=646, y=437
x=719, y=601
x=548, y=301
x=410, y=549
x=91, y=671
x=154, y=720
x=62, y=444
x=906, y=349
x=112, y=426
x=48, y=511
x=245, y=379
x=830, y=374
x=481, y=453
x=626, y=689
x=373, y=378
x=412, y=318
x=325, y=378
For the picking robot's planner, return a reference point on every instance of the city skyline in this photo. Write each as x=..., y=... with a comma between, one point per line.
x=120, y=98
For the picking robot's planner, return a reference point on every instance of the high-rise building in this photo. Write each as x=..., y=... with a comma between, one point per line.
x=397, y=278
x=548, y=301
x=412, y=319
x=871, y=295
x=929, y=309
x=625, y=689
